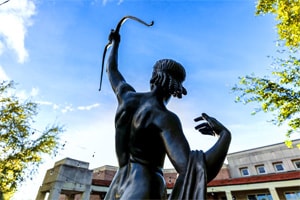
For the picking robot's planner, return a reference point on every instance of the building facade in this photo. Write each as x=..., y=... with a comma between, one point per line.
x=266, y=173
x=67, y=179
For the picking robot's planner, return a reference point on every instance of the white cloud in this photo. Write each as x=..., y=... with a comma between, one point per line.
x=120, y=1
x=70, y=108
x=104, y=2
x=34, y=92
x=48, y=103
x=45, y=103
x=88, y=107
x=14, y=20
x=3, y=75
x=64, y=108
x=55, y=106
x=67, y=109
x=22, y=95
x=1, y=47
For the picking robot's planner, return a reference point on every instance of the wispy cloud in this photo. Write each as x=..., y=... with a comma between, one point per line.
x=88, y=107
x=61, y=108
x=23, y=94
x=34, y=92
x=15, y=17
x=48, y=103
x=3, y=75
x=104, y=2
x=69, y=107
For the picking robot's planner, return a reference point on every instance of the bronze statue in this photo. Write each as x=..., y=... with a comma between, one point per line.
x=146, y=131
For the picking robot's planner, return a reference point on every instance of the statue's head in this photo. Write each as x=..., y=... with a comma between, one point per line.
x=169, y=75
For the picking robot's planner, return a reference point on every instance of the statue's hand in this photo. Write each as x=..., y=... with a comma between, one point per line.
x=114, y=36
x=210, y=127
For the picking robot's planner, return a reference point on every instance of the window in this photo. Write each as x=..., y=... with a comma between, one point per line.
x=292, y=195
x=264, y=197
x=251, y=197
x=260, y=169
x=297, y=164
x=244, y=171
x=259, y=197
x=278, y=167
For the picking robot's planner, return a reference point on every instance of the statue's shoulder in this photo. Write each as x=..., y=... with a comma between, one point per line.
x=166, y=118
x=123, y=90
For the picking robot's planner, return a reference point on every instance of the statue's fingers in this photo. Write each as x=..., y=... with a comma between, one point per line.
x=210, y=120
x=207, y=132
x=202, y=126
x=206, y=117
x=198, y=119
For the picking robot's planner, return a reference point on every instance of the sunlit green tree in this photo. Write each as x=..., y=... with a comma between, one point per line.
x=21, y=146
x=279, y=92
x=287, y=14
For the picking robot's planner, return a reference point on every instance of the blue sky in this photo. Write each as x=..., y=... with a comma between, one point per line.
x=53, y=50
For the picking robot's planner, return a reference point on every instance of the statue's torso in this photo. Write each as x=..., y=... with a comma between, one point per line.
x=136, y=131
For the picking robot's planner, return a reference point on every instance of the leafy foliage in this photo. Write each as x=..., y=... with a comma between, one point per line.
x=279, y=95
x=21, y=146
x=288, y=14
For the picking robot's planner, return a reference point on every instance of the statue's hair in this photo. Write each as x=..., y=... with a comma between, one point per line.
x=169, y=74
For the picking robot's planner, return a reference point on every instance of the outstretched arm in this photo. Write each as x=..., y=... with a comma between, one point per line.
x=216, y=155
x=115, y=77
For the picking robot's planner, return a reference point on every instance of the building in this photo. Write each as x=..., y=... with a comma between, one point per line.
x=269, y=172
x=66, y=180
x=266, y=173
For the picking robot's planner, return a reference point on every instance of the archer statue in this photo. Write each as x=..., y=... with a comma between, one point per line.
x=146, y=132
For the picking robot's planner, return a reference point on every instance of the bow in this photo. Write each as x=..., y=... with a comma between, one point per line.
x=122, y=21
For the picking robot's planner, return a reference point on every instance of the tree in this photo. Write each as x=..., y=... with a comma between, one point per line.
x=21, y=145
x=288, y=16
x=279, y=93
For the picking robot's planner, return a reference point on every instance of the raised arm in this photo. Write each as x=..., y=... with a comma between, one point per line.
x=115, y=77
x=216, y=155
